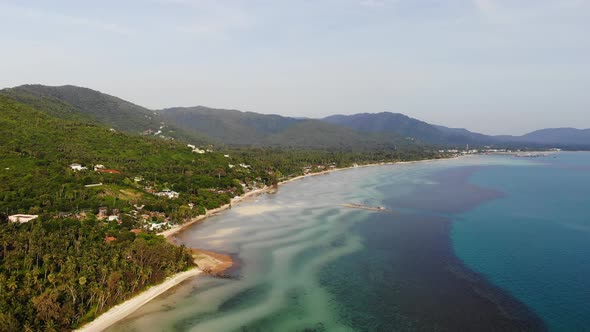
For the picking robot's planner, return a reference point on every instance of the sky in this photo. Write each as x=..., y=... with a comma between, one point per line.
x=492, y=66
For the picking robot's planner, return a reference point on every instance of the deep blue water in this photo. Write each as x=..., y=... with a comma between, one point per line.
x=534, y=242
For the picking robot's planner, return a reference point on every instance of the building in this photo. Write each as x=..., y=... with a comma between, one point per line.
x=158, y=226
x=167, y=193
x=78, y=167
x=99, y=166
x=22, y=218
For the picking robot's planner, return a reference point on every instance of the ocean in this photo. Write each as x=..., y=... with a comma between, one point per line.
x=480, y=243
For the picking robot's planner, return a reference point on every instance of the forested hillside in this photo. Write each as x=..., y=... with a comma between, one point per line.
x=71, y=101
x=406, y=126
x=237, y=128
x=37, y=150
x=204, y=125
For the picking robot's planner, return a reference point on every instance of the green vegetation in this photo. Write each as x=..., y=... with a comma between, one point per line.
x=71, y=102
x=37, y=150
x=58, y=274
x=237, y=128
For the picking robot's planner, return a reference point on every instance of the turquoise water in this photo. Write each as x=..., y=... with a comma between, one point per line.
x=482, y=243
x=535, y=241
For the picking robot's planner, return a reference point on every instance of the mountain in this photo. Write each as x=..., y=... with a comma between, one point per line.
x=406, y=126
x=72, y=102
x=468, y=136
x=227, y=126
x=557, y=136
x=203, y=125
x=234, y=127
x=434, y=134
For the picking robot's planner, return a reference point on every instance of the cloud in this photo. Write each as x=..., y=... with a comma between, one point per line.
x=61, y=19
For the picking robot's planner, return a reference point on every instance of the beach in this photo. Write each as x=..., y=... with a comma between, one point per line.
x=126, y=308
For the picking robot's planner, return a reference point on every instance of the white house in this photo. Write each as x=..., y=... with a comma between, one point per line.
x=158, y=226
x=245, y=166
x=226, y=155
x=113, y=218
x=167, y=193
x=98, y=166
x=22, y=218
x=78, y=167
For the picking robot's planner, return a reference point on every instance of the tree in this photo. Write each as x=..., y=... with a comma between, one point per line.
x=47, y=306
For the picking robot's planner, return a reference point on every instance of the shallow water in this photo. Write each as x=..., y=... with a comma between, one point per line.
x=439, y=261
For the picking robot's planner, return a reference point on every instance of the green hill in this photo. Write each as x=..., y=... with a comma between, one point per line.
x=70, y=102
x=37, y=150
x=227, y=126
x=253, y=129
x=403, y=125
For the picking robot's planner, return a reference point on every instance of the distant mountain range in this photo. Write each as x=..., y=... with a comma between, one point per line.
x=202, y=124
x=247, y=128
x=561, y=136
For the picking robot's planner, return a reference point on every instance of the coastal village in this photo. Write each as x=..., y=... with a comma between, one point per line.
x=139, y=214
x=147, y=220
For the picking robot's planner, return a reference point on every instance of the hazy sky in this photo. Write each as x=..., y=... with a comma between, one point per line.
x=494, y=66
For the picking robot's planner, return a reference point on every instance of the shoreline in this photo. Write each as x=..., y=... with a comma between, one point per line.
x=236, y=200
x=126, y=308
x=209, y=213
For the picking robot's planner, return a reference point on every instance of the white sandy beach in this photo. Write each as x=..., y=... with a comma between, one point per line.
x=126, y=308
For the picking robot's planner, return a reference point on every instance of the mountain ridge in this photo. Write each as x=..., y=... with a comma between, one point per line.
x=202, y=124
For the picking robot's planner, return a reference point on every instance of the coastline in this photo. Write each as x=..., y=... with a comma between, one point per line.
x=236, y=200
x=124, y=309
x=209, y=213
